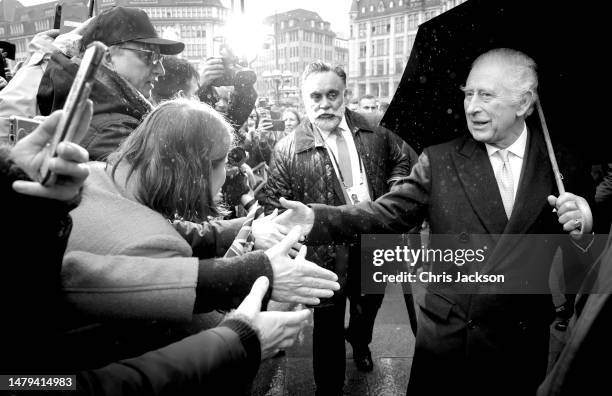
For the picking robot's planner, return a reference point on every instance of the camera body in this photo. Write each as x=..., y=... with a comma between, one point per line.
x=237, y=156
x=234, y=74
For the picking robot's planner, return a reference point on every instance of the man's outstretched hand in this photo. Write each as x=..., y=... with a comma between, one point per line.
x=297, y=214
x=299, y=280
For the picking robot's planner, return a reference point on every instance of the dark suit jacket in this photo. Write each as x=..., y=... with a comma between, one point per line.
x=479, y=340
x=580, y=369
x=302, y=170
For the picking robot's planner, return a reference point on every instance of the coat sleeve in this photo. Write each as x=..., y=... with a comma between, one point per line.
x=223, y=360
x=105, y=134
x=397, y=211
x=402, y=157
x=209, y=239
x=280, y=178
x=130, y=287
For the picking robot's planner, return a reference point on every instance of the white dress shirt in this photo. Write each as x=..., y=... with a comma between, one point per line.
x=516, y=154
x=330, y=143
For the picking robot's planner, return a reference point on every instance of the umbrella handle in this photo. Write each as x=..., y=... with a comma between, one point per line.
x=549, y=148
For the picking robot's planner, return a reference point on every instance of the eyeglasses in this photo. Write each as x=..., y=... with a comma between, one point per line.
x=153, y=58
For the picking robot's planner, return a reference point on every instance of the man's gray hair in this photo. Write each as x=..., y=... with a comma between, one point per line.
x=522, y=70
x=322, y=67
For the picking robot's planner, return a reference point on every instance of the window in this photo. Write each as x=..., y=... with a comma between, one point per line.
x=399, y=24
x=361, y=90
x=374, y=89
x=371, y=8
x=308, y=36
x=400, y=3
x=312, y=23
x=399, y=65
x=293, y=36
x=384, y=91
x=291, y=22
x=362, y=49
x=363, y=10
x=391, y=5
x=413, y=21
x=399, y=45
x=380, y=47
x=381, y=7
x=410, y=42
x=16, y=28
x=362, y=71
x=362, y=29
x=282, y=24
x=381, y=26
x=380, y=67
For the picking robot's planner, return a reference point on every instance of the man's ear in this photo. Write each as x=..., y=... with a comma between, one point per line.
x=526, y=103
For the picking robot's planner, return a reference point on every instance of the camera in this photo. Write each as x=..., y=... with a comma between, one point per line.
x=237, y=156
x=234, y=74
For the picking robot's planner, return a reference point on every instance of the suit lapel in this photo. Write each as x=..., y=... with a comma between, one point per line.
x=535, y=185
x=476, y=175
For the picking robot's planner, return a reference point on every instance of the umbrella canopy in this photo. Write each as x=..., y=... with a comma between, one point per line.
x=9, y=48
x=427, y=107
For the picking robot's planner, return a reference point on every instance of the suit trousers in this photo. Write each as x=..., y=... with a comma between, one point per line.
x=363, y=309
x=328, y=349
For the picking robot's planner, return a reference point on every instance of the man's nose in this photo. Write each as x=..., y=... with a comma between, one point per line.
x=324, y=104
x=159, y=69
x=472, y=105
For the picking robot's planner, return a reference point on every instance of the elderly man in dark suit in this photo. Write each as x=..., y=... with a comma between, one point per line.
x=482, y=188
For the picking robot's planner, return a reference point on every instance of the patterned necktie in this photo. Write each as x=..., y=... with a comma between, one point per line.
x=344, y=159
x=505, y=182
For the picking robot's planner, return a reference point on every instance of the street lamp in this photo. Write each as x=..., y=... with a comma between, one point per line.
x=279, y=80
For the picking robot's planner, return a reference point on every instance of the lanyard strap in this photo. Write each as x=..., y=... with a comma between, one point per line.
x=336, y=161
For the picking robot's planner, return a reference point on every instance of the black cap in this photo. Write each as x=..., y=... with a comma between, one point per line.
x=121, y=24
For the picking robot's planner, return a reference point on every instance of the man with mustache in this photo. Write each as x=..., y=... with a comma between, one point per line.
x=492, y=186
x=336, y=157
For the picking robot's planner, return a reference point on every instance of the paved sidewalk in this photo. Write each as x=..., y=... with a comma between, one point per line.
x=392, y=349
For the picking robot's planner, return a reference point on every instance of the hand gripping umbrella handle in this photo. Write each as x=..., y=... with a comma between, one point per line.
x=549, y=148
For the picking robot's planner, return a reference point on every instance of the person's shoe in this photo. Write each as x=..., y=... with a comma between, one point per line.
x=363, y=358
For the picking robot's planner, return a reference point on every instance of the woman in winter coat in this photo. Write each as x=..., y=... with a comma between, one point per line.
x=223, y=359
x=126, y=261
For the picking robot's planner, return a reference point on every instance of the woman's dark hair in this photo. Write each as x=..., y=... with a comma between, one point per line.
x=172, y=154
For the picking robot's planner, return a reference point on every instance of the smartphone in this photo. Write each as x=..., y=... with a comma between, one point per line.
x=77, y=98
x=278, y=125
x=57, y=19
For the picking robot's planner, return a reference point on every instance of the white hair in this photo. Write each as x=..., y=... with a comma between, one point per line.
x=522, y=71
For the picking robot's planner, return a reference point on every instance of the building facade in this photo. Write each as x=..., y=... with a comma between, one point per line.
x=297, y=37
x=382, y=34
x=197, y=23
x=19, y=24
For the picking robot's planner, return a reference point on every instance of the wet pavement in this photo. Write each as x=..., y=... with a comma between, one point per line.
x=392, y=349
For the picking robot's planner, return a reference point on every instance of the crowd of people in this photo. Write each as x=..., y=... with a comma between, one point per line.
x=184, y=205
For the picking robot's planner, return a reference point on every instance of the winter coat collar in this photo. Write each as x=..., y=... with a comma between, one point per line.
x=111, y=93
x=306, y=138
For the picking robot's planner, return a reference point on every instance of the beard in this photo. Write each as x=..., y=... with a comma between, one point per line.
x=329, y=121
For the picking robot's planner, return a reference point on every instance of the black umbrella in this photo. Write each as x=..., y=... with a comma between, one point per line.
x=9, y=48
x=427, y=107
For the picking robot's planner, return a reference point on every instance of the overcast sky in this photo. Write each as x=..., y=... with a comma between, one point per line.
x=334, y=11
